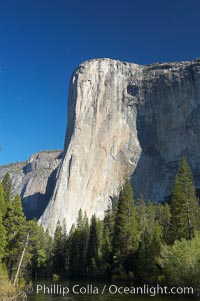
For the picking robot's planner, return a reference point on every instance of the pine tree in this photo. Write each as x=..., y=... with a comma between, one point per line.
x=2, y=239
x=79, y=223
x=93, y=247
x=107, y=248
x=166, y=223
x=184, y=207
x=148, y=252
x=125, y=239
x=36, y=254
x=58, y=251
x=15, y=225
x=126, y=236
x=7, y=187
x=83, y=230
x=2, y=201
x=163, y=216
x=78, y=241
x=10, y=227
x=49, y=252
x=18, y=213
x=141, y=216
x=151, y=238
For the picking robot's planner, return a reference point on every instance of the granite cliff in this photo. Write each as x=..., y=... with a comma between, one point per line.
x=124, y=120
x=34, y=180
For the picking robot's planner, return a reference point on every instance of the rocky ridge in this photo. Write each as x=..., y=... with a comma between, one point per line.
x=34, y=180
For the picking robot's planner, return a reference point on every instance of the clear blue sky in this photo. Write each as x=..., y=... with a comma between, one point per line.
x=42, y=41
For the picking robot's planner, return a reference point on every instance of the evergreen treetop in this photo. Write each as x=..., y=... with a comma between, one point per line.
x=7, y=187
x=2, y=201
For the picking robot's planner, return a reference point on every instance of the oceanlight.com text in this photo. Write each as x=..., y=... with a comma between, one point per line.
x=112, y=289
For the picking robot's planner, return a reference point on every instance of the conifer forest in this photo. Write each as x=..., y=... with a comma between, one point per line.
x=137, y=241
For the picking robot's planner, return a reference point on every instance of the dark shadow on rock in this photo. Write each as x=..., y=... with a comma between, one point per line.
x=34, y=205
x=150, y=169
x=163, y=137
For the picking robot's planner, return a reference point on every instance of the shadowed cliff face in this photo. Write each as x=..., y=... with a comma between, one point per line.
x=34, y=180
x=125, y=119
x=168, y=126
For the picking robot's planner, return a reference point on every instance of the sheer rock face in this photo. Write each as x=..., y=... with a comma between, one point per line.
x=125, y=120
x=34, y=180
